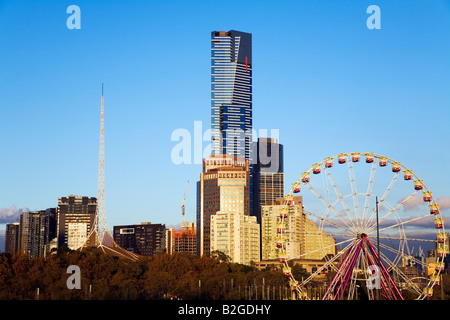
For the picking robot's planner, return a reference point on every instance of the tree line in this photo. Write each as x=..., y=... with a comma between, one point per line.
x=162, y=276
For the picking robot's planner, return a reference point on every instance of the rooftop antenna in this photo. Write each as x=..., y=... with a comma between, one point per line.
x=182, y=205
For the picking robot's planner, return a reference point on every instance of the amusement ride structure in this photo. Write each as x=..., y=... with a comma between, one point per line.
x=372, y=235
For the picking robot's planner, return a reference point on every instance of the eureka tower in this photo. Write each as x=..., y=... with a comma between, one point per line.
x=231, y=93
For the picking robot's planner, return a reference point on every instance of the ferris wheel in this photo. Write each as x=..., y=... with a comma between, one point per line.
x=370, y=228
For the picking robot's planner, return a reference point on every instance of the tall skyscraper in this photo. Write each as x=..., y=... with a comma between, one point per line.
x=268, y=176
x=76, y=216
x=231, y=93
x=224, y=202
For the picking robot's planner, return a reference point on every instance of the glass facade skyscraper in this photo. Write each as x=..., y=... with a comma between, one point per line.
x=268, y=176
x=231, y=93
x=225, y=189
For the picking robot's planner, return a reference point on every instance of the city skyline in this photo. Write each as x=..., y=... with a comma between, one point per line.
x=312, y=91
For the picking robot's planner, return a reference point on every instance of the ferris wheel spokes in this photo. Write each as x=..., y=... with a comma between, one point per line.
x=396, y=294
x=340, y=197
x=318, y=250
x=319, y=233
x=402, y=255
x=399, y=273
x=328, y=263
x=383, y=199
x=406, y=239
x=370, y=186
x=351, y=173
x=332, y=208
x=395, y=209
x=401, y=223
x=324, y=219
x=329, y=294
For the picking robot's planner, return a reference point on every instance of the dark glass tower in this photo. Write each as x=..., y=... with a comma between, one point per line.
x=231, y=93
x=268, y=176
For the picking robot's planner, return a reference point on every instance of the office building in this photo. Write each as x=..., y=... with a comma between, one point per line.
x=231, y=93
x=32, y=234
x=145, y=239
x=224, y=187
x=12, y=239
x=49, y=227
x=301, y=237
x=294, y=223
x=236, y=235
x=268, y=174
x=76, y=217
x=29, y=233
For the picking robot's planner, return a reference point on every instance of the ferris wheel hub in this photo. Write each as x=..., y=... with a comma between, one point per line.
x=362, y=235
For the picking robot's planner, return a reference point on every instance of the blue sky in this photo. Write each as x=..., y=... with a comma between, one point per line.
x=320, y=76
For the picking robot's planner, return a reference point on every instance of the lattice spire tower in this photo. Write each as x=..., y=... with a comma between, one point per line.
x=100, y=236
x=100, y=221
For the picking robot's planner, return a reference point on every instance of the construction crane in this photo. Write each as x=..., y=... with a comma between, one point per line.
x=182, y=205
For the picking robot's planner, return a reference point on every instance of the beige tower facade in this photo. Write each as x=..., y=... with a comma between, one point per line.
x=236, y=235
x=301, y=237
x=224, y=209
x=294, y=235
x=317, y=243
